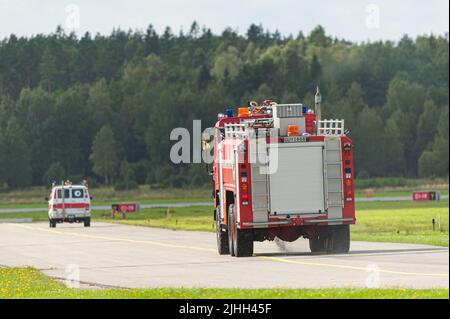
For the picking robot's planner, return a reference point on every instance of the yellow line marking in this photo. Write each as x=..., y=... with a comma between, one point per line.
x=307, y=263
x=148, y=242
x=278, y=259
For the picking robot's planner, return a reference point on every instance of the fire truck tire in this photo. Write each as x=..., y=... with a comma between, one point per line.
x=87, y=222
x=317, y=245
x=240, y=240
x=231, y=229
x=339, y=239
x=222, y=239
x=243, y=243
x=52, y=223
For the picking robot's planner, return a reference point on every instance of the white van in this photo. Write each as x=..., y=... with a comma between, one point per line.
x=69, y=203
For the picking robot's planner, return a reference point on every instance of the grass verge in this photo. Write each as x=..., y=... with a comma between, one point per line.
x=105, y=195
x=31, y=283
x=145, y=194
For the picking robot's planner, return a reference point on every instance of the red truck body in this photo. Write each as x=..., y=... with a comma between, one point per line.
x=278, y=172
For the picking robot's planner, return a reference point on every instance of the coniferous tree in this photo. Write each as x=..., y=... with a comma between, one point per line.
x=104, y=154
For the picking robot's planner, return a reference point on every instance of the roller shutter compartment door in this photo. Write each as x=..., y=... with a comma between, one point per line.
x=296, y=183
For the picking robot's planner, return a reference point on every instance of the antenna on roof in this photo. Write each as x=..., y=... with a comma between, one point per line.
x=317, y=106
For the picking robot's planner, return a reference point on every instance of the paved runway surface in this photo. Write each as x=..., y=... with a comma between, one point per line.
x=130, y=256
x=104, y=207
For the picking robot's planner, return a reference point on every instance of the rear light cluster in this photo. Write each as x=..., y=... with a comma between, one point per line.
x=348, y=179
x=87, y=207
x=244, y=188
x=309, y=122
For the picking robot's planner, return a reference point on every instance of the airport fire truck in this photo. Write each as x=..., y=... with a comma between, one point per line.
x=280, y=171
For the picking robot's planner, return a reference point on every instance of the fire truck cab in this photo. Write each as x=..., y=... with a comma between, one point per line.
x=69, y=203
x=279, y=171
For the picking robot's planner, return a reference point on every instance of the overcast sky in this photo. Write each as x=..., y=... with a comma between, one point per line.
x=356, y=20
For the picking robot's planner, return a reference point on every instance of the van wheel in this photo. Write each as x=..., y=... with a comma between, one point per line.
x=222, y=238
x=52, y=223
x=87, y=222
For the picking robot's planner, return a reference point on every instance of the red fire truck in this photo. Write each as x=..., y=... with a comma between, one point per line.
x=279, y=171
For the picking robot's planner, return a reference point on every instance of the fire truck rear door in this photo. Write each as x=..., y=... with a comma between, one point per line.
x=296, y=178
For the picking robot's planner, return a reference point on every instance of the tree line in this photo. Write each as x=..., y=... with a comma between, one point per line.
x=103, y=107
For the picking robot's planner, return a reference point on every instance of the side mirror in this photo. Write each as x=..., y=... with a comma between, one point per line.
x=205, y=143
x=46, y=199
x=90, y=197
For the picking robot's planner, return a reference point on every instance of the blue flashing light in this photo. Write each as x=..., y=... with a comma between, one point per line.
x=229, y=112
x=304, y=109
x=348, y=170
x=243, y=174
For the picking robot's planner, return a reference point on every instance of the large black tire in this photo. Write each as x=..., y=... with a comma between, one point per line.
x=222, y=238
x=87, y=222
x=339, y=241
x=317, y=245
x=231, y=229
x=240, y=240
x=332, y=240
x=52, y=223
x=243, y=243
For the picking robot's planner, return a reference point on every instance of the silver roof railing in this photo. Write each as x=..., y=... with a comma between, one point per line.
x=331, y=127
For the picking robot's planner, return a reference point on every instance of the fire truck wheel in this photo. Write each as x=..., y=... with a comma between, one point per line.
x=52, y=223
x=243, y=243
x=317, y=245
x=231, y=229
x=240, y=240
x=87, y=222
x=340, y=239
x=222, y=239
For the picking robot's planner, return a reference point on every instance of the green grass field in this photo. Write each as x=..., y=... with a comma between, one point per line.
x=31, y=283
x=405, y=222
x=35, y=196
x=105, y=195
x=394, y=193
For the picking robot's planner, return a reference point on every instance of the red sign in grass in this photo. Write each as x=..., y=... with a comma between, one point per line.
x=126, y=208
x=421, y=196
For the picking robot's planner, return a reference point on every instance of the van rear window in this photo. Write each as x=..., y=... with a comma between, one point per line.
x=66, y=193
x=77, y=193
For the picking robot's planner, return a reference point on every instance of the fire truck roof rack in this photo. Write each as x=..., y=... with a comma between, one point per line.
x=288, y=104
x=245, y=128
x=259, y=123
x=331, y=127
